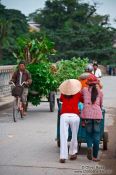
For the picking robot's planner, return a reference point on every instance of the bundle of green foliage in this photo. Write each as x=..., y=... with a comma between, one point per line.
x=43, y=82
x=72, y=68
x=45, y=79
x=46, y=76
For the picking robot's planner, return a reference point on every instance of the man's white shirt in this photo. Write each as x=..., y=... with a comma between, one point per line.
x=97, y=73
x=20, y=79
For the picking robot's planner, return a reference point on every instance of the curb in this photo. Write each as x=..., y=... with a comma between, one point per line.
x=6, y=105
x=6, y=102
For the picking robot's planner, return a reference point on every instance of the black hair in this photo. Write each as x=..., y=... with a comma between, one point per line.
x=95, y=64
x=22, y=62
x=68, y=96
x=94, y=93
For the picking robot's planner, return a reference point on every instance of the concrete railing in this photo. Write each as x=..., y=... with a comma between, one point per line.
x=5, y=76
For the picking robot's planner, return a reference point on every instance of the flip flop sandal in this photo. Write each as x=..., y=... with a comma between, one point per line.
x=96, y=159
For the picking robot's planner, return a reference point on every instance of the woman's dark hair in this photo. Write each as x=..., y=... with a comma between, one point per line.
x=94, y=93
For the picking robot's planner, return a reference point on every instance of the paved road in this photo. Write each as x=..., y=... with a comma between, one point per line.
x=109, y=89
x=29, y=147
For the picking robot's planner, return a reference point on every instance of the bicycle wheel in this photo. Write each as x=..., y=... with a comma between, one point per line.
x=15, y=110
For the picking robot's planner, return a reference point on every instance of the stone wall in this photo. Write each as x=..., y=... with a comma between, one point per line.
x=5, y=76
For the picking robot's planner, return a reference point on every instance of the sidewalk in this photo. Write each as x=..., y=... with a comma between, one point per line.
x=6, y=102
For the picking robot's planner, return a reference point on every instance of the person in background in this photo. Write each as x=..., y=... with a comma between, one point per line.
x=83, y=77
x=96, y=71
x=92, y=113
x=70, y=97
x=114, y=71
x=19, y=76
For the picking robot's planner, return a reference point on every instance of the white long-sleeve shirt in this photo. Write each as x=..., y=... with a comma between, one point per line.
x=97, y=73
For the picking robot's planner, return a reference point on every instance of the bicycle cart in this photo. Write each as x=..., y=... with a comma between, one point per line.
x=82, y=132
x=50, y=99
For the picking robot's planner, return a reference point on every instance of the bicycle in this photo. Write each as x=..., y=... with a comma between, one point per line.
x=17, y=103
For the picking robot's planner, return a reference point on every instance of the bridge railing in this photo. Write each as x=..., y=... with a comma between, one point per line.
x=5, y=76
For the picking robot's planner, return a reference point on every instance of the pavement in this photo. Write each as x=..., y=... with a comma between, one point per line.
x=6, y=102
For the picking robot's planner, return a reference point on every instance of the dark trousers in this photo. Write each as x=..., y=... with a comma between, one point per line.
x=93, y=135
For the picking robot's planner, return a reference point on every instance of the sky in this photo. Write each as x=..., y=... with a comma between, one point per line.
x=29, y=6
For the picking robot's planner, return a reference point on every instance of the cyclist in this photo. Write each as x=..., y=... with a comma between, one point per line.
x=19, y=76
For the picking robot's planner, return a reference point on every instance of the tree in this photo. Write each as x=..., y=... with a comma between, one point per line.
x=34, y=50
x=76, y=29
x=12, y=25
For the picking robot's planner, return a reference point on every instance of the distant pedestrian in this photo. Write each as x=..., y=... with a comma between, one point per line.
x=110, y=70
x=96, y=71
x=114, y=71
x=107, y=69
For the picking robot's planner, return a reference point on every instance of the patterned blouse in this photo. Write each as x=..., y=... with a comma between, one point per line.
x=92, y=111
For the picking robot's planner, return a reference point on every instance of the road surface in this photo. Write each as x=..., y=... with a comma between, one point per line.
x=29, y=147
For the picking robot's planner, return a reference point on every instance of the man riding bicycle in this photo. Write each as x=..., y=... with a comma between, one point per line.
x=21, y=75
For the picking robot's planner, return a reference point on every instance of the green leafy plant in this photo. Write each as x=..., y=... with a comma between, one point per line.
x=67, y=69
x=43, y=82
x=46, y=77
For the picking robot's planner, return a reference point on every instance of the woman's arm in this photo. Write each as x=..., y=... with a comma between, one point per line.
x=101, y=99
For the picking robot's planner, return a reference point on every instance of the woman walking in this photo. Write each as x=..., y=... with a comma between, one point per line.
x=92, y=113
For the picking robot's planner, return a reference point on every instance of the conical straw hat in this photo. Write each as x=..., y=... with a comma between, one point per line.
x=70, y=87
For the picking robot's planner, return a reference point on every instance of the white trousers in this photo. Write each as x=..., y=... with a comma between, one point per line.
x=73, y=120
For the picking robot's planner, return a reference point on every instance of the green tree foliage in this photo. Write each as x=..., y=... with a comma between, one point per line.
x=34, y=50
x=12, y=25
x=76, y=29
